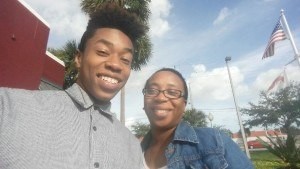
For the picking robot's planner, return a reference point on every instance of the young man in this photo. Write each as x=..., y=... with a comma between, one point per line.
x=75, y=128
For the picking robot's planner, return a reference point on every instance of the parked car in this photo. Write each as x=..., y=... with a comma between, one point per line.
x=255, y=144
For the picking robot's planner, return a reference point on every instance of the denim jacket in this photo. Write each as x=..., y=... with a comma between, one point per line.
x=202, y=148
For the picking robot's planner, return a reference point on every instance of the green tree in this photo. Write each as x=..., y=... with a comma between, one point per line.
x=246, y=130
x=66, y=54
x=140, y=129
x=281, y=108
x=195, y=117
x=223, y=129
x=143, y=47
x=141, y=9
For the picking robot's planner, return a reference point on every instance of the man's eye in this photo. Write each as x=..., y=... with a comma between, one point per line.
x=126, y=61
x=102, y=53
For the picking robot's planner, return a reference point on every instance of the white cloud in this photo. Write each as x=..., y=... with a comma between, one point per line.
x=224, y=13
x=65, y=18
x=214, y=85
x=160, y=10
x=265, y=79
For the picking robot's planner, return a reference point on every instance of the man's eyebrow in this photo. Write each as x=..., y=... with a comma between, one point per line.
x=108, y=43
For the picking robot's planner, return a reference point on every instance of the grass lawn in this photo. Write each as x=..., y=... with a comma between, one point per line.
x=263, y=155
x=265, y=160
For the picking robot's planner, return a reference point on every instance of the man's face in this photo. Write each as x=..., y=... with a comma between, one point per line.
x=105, y=64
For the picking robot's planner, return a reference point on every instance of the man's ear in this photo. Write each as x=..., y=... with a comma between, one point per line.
x=78, y=58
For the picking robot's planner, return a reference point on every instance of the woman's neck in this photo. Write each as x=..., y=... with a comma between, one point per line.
x=161, y=138
x=155, y=152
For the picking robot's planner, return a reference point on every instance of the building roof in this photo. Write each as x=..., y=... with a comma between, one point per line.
x=260, y=133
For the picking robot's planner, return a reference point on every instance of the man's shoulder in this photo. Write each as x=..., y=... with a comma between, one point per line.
x=29, y=95
x=124, y=131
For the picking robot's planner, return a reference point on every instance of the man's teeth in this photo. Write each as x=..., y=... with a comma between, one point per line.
x=109, y=79
x=161, y=111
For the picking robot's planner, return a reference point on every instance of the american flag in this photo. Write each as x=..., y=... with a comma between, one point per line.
x=277, y=35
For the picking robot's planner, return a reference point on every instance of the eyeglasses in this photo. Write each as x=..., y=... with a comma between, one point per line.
x=168, y=93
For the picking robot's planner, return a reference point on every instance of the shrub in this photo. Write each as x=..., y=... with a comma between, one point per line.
x=286, y=150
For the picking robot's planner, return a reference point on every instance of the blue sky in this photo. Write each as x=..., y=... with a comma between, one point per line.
x=195, y=36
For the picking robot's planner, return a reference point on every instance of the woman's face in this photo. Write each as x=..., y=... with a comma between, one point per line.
x=163, y=112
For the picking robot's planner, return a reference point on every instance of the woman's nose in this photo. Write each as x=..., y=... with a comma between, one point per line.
x=161, y=96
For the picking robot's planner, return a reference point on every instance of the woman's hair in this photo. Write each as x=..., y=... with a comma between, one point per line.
x=185, y=94
x=113, y=16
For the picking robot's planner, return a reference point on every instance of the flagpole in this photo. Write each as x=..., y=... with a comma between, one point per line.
x=227, y=59
x=290, y=36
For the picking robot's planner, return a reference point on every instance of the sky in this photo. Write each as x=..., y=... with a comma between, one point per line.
x=194, y=37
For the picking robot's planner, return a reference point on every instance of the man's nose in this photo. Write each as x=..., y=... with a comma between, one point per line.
x=114, y=63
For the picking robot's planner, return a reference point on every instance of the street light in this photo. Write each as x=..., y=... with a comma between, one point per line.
x=227, y=59
x=210, y=118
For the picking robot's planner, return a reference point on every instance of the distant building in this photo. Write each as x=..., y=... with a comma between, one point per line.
x=263, y=134
x=24, y=61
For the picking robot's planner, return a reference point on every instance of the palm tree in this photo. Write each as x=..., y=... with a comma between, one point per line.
x=66, y=54
x=141, y=9
x=143, y=47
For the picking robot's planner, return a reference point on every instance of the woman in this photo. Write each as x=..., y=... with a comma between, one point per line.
x=174, y=144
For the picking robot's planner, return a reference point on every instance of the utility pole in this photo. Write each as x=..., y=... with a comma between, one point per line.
x=227, y=59
x=190, y=93
x=122, y=106
x=210, y=118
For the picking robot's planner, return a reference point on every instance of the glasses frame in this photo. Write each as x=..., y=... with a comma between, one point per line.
x=181, y=94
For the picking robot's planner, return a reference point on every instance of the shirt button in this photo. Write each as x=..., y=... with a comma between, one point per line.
x=94, y=128
x=96, y=165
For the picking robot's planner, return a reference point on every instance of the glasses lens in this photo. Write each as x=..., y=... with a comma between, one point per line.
x=151, y=92
x=171, y=93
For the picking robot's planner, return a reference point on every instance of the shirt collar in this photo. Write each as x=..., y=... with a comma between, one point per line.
x=84, y=100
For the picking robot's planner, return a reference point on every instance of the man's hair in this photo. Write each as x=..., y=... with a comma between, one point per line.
x=185, y=94
x=113, y=16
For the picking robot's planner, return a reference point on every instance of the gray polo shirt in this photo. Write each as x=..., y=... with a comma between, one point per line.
x=62, y=130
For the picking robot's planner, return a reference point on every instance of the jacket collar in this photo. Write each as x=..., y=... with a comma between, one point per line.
x=84, y=100
x=185, y=132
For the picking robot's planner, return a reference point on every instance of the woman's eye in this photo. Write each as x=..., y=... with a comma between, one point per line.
x=173, y=92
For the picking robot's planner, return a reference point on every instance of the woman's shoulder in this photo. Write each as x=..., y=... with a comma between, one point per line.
x=206, y=131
